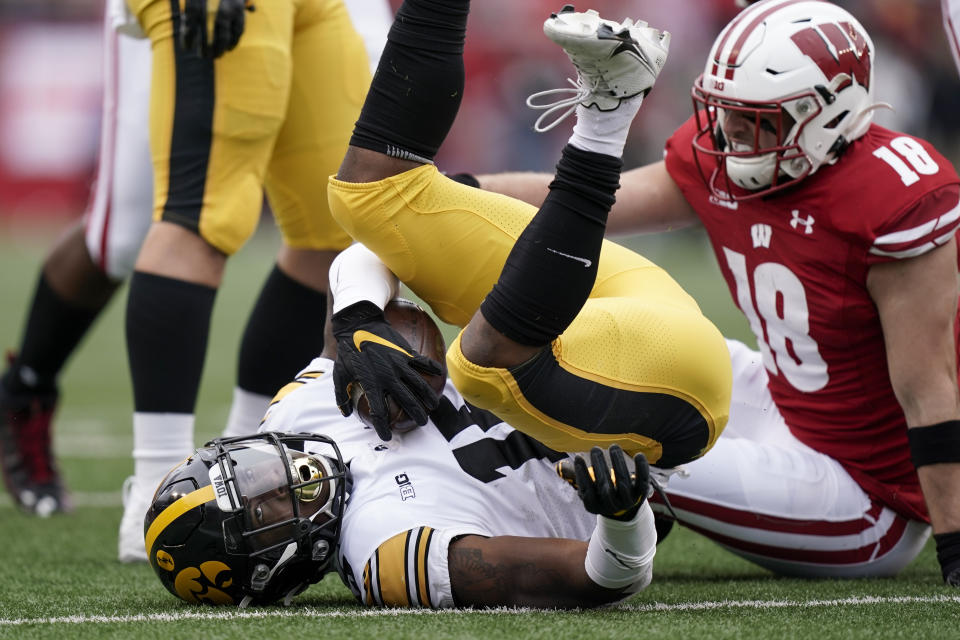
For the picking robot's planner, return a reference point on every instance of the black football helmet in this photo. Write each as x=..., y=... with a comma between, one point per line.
x=248, y=520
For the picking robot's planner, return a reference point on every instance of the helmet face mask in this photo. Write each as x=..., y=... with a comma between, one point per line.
x=248, y=520
x=754, y=142
x=801, y=72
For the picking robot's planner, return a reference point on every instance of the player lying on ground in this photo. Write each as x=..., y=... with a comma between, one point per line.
x=463, y=511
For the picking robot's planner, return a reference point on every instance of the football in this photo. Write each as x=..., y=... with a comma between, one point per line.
x=422, y=333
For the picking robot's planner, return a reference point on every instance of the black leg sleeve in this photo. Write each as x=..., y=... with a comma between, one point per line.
x=552, y=267
x=418, y=86
x=54, y=328
x=168, y=322
x=284, y=332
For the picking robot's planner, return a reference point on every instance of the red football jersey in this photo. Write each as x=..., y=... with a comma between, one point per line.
x=796, y=263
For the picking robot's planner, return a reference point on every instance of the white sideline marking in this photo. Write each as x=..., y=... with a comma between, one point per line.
x=308, y=612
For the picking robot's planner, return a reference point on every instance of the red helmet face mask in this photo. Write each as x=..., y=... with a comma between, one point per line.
x=786, y=89
x=761, y=146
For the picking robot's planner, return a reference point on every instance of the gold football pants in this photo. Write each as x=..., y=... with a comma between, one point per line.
x=276, y=112
x=640, y=365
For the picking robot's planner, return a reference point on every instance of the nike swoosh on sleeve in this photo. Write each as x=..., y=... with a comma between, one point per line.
x=359, y=337
x=586, y=262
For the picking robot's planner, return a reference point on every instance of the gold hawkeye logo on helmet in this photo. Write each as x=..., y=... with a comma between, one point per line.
x=204, y=585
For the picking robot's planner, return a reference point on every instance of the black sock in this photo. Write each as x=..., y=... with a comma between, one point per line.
x=417, y=89
x=168, y=321
x=54, y=328
x=553, y=265
x=284, y=331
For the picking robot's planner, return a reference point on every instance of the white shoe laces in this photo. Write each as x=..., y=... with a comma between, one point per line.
x=579, y=92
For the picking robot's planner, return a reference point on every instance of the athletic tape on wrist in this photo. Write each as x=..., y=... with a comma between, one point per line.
x=356, y=275
x=935, y=444
x=620, y=553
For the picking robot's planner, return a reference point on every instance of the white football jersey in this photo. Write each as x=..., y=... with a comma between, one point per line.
x=465, y=472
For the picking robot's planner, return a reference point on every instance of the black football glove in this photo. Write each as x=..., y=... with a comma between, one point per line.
x=228, y=23
x=614, y=493
x=372, y=354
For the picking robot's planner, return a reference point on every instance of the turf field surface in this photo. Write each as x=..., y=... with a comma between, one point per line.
x=59, y=578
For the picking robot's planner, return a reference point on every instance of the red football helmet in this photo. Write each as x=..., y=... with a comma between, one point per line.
x=787, y=86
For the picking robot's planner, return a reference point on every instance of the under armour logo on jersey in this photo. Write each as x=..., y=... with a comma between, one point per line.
x=806, y=222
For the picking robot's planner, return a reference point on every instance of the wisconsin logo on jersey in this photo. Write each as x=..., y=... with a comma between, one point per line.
x=760, y=234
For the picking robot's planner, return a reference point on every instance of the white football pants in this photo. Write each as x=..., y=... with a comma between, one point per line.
x=766, y=496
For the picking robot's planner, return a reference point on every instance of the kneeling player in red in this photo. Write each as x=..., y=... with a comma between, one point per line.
x=837, y=239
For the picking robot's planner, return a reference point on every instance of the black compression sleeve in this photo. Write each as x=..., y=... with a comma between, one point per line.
x=284, y=332
x=416, y=91
x=168, y=322
x=552, y=267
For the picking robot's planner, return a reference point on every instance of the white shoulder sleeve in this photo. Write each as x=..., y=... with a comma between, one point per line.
x=357, y=274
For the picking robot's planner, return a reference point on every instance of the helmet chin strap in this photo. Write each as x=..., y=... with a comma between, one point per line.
x=260, y=582
x=752, y=173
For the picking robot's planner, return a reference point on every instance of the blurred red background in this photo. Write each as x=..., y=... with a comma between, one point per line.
x=51, y=78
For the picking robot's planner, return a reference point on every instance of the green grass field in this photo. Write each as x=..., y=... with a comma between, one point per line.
x=60, y=577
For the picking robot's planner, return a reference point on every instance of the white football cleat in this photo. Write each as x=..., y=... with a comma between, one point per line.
x=136, y=502
x=614, y=61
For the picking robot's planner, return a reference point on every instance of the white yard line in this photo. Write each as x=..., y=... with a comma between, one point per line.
x=307, y=612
